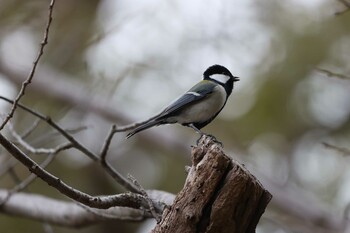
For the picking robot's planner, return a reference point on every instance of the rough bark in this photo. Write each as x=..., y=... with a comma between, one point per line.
x=219, y=196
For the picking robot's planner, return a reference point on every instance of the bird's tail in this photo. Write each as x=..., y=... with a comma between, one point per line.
x=144, y=126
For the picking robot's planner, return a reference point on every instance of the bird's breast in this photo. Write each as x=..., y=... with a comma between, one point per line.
x=204, y=109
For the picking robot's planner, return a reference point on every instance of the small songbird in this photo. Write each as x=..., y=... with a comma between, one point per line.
x=198, y=106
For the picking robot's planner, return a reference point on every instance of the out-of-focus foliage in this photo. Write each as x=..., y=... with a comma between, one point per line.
x=132, y=58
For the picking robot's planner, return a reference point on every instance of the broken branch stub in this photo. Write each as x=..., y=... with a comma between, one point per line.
x=219, y=196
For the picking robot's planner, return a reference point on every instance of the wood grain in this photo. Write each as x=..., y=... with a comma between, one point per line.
x=219, y=195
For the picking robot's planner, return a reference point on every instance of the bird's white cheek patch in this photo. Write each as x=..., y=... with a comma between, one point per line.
x=220, y=78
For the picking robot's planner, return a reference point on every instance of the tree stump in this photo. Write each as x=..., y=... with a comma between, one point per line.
x=219, y=196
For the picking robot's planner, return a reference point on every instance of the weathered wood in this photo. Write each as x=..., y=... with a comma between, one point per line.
x=219, y=196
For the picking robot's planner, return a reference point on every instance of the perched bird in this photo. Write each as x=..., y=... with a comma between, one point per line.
x=198, y=106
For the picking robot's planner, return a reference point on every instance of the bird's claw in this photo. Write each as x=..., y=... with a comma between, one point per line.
x=213, y=138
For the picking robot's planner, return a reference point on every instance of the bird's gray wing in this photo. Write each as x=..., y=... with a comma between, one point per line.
x=196, y=93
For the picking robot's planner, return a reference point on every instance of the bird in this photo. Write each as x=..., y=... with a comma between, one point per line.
x=199, y=105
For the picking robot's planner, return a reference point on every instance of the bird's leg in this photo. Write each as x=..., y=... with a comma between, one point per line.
x=215, y=140
x=196, y=129
x=201, y=134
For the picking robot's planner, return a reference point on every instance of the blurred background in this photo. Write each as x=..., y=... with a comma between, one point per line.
x=119, y=61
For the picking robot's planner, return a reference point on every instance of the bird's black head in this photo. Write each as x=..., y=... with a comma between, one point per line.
x=222, y=76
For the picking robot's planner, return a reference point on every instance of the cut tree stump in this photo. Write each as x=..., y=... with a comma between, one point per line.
x=219, y=196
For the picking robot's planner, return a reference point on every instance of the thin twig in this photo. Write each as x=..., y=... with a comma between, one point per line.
x=74, y=130
x=332, y=74
x=110, y=170
x=342, y=150
x=150, y=202
x=33, y=150
x=106, y=215
x=15, y=177
x=58, y=212
x=107, y=142
x=132, y=200
x=35, y=64
x=30, y=129
x=22, y=185
x=51, y=134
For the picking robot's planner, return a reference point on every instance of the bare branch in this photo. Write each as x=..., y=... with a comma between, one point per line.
x=22, y=185
x=74, y=130
x=110, y=170
x=76, y=95
x=35, y=64
x=132, y=200
x=106, y=144
x=30, y=129
x=33, y=150
x=63, y=213
x=155, y=213
x=50, y=134
x=341, y=150
x=332, y=74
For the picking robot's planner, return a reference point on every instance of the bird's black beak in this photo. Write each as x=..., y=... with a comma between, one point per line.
x=235, y=79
